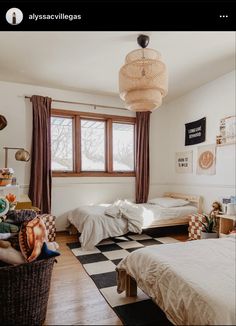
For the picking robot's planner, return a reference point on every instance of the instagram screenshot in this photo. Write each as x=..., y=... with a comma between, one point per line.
x=117, y=162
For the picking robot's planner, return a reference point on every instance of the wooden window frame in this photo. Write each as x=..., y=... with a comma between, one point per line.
x=76, y=129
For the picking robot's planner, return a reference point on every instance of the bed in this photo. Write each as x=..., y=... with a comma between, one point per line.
x=98, y=222
x=193, y=282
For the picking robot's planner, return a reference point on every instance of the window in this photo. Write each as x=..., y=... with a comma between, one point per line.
x=88, y=144
x=123, y=147
x=61, y=147
x=92, y=145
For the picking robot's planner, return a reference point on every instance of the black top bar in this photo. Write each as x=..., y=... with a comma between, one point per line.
x=121, y=16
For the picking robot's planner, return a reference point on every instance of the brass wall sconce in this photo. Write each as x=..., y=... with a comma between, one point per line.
x=20, y=155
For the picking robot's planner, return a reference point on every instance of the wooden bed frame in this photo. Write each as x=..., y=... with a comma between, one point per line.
x=130, y=286
x=130, y=282
x=194, y=200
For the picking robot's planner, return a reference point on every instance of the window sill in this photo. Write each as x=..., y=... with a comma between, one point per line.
x=93, y=174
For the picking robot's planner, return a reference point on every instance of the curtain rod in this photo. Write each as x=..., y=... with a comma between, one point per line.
x=89, y=104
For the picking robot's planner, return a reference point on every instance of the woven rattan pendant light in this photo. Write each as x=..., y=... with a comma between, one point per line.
x=143, y=78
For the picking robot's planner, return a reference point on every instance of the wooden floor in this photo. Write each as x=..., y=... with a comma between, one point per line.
x=74, y=299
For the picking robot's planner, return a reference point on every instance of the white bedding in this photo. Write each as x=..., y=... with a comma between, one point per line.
x=94, y=225
x=193, y=282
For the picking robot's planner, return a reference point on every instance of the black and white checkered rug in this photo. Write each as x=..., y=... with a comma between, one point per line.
x=100, y=265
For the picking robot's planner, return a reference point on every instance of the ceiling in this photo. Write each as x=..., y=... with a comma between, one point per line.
x=90, y=61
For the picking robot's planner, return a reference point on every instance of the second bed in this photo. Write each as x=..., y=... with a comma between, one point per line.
x=98, y=222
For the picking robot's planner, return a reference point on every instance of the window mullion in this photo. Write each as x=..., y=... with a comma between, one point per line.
x=109, y=159
x=77, y=135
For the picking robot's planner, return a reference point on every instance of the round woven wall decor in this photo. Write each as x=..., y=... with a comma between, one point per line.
x=206, y=160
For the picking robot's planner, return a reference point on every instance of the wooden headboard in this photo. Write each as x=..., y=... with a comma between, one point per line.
x=194, y=200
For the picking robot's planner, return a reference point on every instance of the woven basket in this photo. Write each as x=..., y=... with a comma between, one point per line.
x=24, y=292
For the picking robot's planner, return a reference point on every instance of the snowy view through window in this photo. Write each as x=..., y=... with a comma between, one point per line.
x=92, y=145
x=123, y=147
x=62, y=153
x=92, y=141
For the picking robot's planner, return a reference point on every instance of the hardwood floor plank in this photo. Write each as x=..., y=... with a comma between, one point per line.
x=74, y=299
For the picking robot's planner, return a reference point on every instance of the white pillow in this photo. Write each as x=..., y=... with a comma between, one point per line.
x=168, y=202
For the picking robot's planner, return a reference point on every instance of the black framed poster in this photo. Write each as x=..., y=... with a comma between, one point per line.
x=195, y=132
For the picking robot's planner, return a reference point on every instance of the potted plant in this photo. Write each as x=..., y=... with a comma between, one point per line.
x=208, y=231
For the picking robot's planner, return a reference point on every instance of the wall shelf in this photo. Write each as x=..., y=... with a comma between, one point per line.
x=227, y=143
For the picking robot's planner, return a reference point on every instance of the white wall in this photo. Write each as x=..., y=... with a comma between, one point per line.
x=214, y=100
x=67, y=193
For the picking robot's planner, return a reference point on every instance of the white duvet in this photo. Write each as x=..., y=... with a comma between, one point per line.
x=193, y=282
x=98, y=222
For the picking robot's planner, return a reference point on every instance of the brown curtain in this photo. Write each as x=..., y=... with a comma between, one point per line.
x=142, y=156
x=41, y=176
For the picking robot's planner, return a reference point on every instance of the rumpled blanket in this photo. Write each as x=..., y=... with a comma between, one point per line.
x=20, y=216
x=97, y=222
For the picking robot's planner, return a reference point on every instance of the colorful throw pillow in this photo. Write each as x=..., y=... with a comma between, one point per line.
x=195, y=226
x=31, y=238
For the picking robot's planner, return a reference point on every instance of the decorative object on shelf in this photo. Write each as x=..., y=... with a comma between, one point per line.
x=12, y=201
x=231, y=209
x=208, y=228
x=218, y=140
x=233, y=199
x=225, y=201
x=13, y=181
x=227, y=131
x=206, y=160
x=6, y=176
x=143, y=78
x=184, y=162
x=195, y=132
x=20, y=155
x=3, y=122
x=4, y=207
